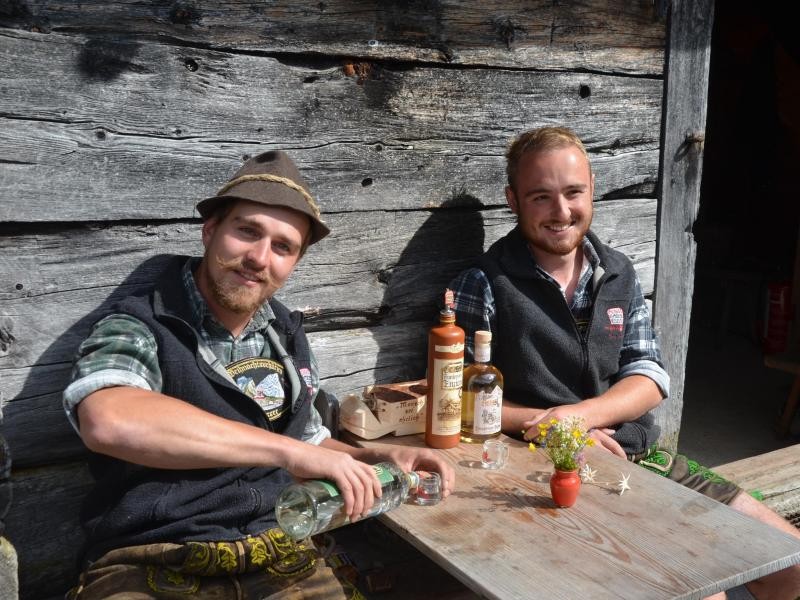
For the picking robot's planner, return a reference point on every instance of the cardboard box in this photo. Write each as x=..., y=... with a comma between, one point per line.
x=397, y=408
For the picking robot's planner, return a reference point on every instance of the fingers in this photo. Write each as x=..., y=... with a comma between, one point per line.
x=447, y=474
x=531, y=433
x=357, y=482
x=606, y=442
x=359, y=487
x=424, y=459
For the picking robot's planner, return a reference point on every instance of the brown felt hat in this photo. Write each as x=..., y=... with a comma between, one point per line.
x=272, y=179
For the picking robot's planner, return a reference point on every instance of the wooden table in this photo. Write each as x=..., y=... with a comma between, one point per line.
x=502, y=536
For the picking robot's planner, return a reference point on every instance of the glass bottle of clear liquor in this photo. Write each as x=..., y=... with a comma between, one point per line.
x=482, y=395
x=314, y=506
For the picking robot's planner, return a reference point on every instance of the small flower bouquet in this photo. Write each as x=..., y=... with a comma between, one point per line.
x=563, y=441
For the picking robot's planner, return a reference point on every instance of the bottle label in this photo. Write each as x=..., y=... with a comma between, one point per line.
x=330, y=487
x=488, y=411
x=451, y=349
x=448, y=376
x=483, y=353
x=385, y=477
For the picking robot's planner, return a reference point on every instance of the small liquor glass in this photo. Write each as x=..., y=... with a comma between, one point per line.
x=494, y=455
x=429, y=490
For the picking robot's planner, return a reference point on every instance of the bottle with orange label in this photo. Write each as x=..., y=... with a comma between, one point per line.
x=445, y=379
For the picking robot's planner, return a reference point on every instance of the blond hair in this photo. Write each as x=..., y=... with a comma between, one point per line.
x=541, y=139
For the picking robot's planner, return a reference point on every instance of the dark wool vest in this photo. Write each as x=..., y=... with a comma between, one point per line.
x=132, y=504
x=545, y=359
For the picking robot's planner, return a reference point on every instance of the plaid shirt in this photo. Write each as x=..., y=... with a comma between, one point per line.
x=121, y=350
x=640, y=353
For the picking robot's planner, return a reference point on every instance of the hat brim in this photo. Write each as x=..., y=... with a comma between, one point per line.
x=209, y=206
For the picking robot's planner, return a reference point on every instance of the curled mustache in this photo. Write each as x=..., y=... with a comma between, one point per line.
x=239, y=264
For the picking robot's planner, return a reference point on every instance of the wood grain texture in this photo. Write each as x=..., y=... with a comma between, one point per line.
x=681, y=166
x=775, y=474
x=615, y=36
x=501, y=535
x=403, y=139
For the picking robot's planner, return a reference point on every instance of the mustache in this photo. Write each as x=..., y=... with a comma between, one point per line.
x=240, y=264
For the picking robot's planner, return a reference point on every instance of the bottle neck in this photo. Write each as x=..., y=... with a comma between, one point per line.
x=483, y=353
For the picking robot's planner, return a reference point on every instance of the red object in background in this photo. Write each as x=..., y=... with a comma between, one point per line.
x=778, y=318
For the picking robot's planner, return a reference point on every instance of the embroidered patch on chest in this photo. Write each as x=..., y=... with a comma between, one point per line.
x=306, y=373
x=616, y=321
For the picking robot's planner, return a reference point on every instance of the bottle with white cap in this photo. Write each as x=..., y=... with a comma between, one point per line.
x=482, y=395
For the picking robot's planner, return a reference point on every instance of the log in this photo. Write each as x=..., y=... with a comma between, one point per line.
x=686, y=98
x=401, y=139
x=616, y=36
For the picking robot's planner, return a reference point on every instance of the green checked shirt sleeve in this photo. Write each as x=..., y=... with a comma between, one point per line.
x=120, y=350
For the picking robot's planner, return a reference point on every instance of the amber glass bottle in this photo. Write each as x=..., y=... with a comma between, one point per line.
x=482, y=398
x=445, y=379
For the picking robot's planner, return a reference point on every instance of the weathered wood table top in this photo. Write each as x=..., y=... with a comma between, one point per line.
x=501, y=535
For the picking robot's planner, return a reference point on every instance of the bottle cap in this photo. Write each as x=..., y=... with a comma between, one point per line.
x=447, y=314
x=413, y=481
x=483, y=337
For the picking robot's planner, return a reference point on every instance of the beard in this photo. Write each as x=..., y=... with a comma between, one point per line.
x=237, y=298
x=560, y=247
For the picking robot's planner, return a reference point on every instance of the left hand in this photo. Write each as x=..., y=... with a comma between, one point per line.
x=531, y=428
x=422, y=459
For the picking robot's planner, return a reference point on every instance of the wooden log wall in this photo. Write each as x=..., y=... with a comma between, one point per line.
x=116, y=118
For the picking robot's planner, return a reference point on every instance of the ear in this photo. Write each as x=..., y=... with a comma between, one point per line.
x=591, y=188
x=511, y=198
x=209, y=227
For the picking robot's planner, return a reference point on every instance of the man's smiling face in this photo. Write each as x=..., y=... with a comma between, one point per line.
x=250, y=254
x=552, y=197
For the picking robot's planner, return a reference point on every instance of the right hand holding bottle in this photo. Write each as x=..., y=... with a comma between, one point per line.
x=356, y=480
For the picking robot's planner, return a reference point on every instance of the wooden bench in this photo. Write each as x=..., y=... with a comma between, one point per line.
x=775, y=474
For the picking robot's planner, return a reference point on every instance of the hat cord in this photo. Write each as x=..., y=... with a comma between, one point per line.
x=275, y=179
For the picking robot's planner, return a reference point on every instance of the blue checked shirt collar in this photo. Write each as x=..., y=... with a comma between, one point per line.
x=582, y=298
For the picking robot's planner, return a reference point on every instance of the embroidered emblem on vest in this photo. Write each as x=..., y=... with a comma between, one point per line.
x=306, y=374
x=616, y=320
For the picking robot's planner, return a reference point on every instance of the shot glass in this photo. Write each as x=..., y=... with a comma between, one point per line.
x=494, y=455
x=429, y=490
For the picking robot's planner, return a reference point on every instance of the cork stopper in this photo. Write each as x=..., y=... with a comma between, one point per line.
x=483, y=337
x=447, y=315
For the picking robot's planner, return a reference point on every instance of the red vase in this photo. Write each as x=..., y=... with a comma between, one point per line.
x=564, y=487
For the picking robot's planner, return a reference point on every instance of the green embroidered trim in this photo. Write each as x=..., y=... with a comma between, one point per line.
x=657, y=461
x=226, y=557
x=258, y=551
x=199, y=558
x=162, y=579
x=707, y=474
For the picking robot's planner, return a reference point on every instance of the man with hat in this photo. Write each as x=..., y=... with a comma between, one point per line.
x=196, y=400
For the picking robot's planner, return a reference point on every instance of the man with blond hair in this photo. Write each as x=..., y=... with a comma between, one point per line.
x=571, y=332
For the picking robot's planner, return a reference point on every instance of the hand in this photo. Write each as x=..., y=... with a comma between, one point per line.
x=604, y=441
x=356, y=480
x=531, y=427
x=422, y=459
